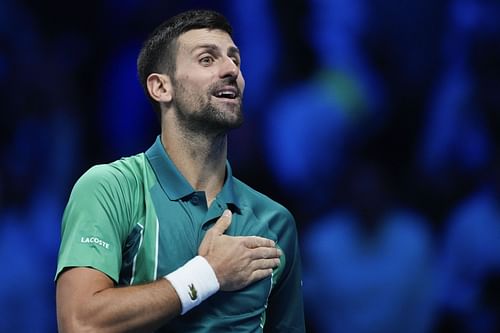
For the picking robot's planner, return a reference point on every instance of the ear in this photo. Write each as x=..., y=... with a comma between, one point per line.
x=159, y=87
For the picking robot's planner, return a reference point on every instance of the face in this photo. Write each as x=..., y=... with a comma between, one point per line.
x=208, y=84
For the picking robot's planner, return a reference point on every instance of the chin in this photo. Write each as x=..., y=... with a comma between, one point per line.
x=233, y=123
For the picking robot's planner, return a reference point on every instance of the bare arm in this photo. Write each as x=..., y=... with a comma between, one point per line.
x=87, y=299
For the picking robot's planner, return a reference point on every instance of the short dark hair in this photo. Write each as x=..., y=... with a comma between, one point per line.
x=158, y=52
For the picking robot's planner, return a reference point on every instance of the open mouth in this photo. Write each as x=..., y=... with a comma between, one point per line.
x=227, y=92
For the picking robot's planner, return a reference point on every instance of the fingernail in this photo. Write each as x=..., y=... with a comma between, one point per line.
x=227, y=213
x=280, y=253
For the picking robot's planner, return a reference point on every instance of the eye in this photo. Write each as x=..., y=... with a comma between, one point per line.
x=206, y=60
x=236, y=61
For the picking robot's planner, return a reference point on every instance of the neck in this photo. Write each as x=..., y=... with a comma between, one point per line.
x=201, y=158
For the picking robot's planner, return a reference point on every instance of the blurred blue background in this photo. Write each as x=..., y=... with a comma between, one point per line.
x=377, y=123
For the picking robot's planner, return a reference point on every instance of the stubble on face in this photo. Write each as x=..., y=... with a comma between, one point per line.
x=207, y=92
x=197, y=112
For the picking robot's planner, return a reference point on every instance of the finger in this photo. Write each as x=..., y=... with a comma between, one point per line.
x=223, y=222
x=261, y=264
x=265, y=253
x=253, y=242
x=260, y=274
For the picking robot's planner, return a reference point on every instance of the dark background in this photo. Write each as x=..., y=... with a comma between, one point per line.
x=376, y=123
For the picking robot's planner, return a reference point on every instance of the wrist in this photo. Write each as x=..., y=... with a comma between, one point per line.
x=194, y=282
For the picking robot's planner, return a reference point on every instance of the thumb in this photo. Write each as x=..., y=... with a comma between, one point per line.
x=223, y=222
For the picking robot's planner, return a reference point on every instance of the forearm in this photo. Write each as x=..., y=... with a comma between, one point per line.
x=136, y=308
x=141, y=308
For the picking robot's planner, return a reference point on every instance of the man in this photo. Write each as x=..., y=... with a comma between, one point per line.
x=191, y=248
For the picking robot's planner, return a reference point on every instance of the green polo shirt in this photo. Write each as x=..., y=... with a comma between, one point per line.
x=138, y=219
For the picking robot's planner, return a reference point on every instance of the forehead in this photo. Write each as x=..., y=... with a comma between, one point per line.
x=189, y=40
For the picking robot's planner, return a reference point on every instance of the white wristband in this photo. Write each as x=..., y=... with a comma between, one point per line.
x=194, y=282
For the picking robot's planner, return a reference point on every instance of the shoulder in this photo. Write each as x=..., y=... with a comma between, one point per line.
x=108, y=192
x=126, y=172
x=261, y=204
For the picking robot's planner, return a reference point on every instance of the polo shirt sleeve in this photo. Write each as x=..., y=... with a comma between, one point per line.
x=285, y=308
x=94, y=223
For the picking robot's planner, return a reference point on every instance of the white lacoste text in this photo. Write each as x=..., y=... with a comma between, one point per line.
x=94, y=240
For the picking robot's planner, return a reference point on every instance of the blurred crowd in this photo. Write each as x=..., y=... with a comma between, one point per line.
x=377, y=123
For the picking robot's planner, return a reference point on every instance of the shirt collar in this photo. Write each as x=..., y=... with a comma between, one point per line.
x=175, y=185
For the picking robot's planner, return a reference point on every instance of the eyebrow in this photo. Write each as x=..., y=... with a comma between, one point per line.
x=233, y=50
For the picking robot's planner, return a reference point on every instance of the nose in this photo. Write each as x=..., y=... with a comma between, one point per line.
x=229, y=68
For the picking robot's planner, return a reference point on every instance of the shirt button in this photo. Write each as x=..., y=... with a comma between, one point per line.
x=195, y=200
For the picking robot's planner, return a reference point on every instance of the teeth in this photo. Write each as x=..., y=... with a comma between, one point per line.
x=228, y=94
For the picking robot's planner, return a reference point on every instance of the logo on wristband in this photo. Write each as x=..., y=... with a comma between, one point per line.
x=193, y=293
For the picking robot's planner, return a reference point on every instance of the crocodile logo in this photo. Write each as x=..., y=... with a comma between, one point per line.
x=193, y=293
